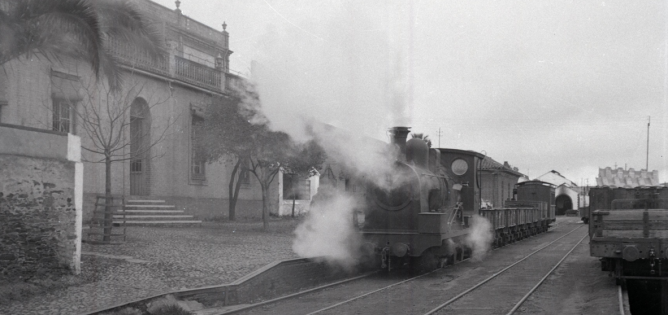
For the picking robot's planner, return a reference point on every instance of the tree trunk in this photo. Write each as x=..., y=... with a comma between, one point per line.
x=108, y=212
x=294, y=194
x=265, y=206
x=233, y=193
x=235, y=198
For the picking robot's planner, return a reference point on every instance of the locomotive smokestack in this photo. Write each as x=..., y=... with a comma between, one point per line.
x=399, y=135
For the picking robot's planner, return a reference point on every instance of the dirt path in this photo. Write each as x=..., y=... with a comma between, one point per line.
x=578, y=286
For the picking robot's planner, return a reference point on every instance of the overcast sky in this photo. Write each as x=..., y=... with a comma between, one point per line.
x=544, y=85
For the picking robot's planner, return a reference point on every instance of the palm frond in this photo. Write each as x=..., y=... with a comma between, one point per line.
x=61, y=27
x=109, y=66
x=122, y=21
x=81, y=29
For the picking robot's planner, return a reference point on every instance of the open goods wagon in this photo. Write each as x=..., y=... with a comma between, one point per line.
x=629, y=231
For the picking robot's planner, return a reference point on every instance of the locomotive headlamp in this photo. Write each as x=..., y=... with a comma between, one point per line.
x=459, y=167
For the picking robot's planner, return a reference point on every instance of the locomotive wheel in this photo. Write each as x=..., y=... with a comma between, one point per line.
x=498, y=240
x=371, y=262
x=427, y=262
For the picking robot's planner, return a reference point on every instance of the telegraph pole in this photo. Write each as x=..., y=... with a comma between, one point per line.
x=439, y=136
x=649, y=119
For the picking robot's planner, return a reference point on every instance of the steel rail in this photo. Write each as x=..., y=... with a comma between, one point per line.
x=251, y=306
x=372, y=292
x=411, y=279
x=620, y=297
x=526, y=296
x=436, y=309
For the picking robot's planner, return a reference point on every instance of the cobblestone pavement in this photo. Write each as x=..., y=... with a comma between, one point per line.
x=163, y=259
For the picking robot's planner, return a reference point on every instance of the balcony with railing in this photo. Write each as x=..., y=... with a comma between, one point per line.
x=135, y=58
x=197, y=73
x=183, y=69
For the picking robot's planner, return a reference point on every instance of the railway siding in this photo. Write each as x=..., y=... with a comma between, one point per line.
x=423, y=294
x=590, y=291
x=503, y=292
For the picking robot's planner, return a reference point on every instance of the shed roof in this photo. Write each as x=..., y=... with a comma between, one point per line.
x=556, y=178
x=489, y=163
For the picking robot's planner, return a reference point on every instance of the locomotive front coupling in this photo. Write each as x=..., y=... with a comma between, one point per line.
x=393, y=250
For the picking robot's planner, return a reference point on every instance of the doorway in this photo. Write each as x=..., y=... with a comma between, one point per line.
x=563, y=203
x=140, y=138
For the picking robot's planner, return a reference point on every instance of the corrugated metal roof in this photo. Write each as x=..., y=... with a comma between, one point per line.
x=626, y=178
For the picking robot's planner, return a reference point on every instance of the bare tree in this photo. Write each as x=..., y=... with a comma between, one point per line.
x=104, y=117
x=235, y=129
x=225, y=135
x=305, y=163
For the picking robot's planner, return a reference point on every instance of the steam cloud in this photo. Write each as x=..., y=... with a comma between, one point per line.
x=328, y=231
x=340, y=64
x=480, y=238
x=344, y=63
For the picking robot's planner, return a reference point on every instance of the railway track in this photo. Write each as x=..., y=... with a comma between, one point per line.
x=366, y=300
x=623, y=299
x=508, y=275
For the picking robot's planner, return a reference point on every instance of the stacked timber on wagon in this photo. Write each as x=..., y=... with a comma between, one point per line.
x=629, y=231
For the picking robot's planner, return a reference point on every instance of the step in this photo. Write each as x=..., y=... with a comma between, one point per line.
x=150, y=206
x=162, y=222
x=153, y=216
x=136, y=201
x=148, y=211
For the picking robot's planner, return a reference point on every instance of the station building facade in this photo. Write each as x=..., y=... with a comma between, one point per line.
x=169, y=94
x=497, y=182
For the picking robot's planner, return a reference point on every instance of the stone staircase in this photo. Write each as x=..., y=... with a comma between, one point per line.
x=152, y=212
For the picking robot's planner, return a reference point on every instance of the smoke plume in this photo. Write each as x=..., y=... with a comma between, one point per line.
x=343, y=63
x=480, y=238
x=328, y=230
x=338, y=73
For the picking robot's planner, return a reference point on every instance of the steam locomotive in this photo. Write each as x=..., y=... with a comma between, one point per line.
x=422, y=214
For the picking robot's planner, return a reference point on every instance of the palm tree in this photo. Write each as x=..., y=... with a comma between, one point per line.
x=81, y=29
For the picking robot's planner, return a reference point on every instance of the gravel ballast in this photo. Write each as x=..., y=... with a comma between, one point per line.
x=156, y=260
